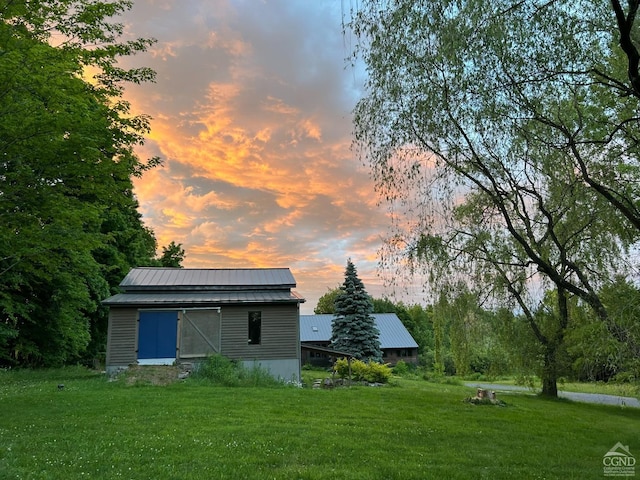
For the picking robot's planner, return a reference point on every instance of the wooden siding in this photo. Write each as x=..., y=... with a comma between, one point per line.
x=394, y=355
x=389, y=355
x=122, y=336
x=198, y=333
x=280, y=336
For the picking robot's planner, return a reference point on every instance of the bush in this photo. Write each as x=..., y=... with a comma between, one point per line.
x=219, y=370
x=361, y=371
x=341, y=367
x=378, y=372
x=401, y=368
x=222, y=371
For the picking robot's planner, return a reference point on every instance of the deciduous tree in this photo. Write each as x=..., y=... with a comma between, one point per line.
x=68, y=216
x=327, y=302
x=485, y=124
x=172, y=255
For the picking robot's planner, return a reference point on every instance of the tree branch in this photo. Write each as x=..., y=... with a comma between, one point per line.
x=625, y=25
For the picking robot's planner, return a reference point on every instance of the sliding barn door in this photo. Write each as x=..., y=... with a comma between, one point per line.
x=157, y=337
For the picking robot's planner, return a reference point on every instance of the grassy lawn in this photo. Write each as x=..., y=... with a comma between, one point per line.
x=621, y=389
x=610, y=388
x=187, y=430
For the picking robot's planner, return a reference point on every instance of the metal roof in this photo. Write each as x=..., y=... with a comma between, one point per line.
x=202, y=298
x=163, y=279
x=393, y=334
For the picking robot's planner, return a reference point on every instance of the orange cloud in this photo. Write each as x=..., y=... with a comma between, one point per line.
x=251, y=116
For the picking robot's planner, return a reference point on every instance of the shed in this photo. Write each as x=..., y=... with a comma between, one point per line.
x=396, y=342
x=172, y=315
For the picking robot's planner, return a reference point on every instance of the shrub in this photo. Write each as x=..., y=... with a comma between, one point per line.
x=359, y=370
x=427, y=359
x=378, y=372
x=363, y=371
x=341, y=367
x=220, y=370
x=401, y=368
x=257, y=376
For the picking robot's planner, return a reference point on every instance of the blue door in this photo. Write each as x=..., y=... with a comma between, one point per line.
x=157, y=335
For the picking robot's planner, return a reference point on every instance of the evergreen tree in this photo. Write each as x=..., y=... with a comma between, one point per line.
x=353, y=326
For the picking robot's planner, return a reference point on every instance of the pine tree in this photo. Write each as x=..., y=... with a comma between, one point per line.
x=353, y=326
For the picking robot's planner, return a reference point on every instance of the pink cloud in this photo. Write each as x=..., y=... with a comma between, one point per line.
x=252, y=118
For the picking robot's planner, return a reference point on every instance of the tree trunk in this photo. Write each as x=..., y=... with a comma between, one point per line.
x=550, y=368
x=550, y=372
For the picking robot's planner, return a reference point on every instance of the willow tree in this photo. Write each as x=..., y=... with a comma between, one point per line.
x=500, y=135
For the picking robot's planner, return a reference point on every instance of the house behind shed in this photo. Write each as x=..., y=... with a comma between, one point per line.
x=173, y=315
x=396, y=342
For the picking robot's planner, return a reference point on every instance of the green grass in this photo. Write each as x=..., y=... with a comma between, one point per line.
x=611, y=388
x=188, y=430
x=606, y=388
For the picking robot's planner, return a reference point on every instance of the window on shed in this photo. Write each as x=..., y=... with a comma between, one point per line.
x=255, y=326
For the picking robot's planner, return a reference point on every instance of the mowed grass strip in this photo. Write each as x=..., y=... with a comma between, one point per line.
x=98, y=429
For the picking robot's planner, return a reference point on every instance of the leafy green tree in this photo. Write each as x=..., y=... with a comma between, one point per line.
x=440, y=334
x=353, y=328
x=126, y=243
x=419, y=322
x=383, y=305
x=491, y=119
x=327, y=302
x=596, y=354
x=522, y=352
x=172, y=255
x=462, y=314
x=66, y=161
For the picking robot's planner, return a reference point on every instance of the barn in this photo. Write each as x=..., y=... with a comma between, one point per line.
x=176, y=315
x=396, y=342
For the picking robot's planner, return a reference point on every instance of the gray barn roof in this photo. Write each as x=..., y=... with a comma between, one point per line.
x=154, y=278
x=201, y=298
x=152, y=286
x=393, y=334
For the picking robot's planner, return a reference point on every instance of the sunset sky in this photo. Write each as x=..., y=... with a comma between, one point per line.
x=252, y=117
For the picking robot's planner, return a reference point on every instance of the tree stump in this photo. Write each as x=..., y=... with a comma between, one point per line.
x=485, y=397
x=483, y=394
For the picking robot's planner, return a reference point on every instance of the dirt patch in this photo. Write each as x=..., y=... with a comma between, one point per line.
x=151, y=375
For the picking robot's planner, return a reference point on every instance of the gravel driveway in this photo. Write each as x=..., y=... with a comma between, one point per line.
x=576, y=397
